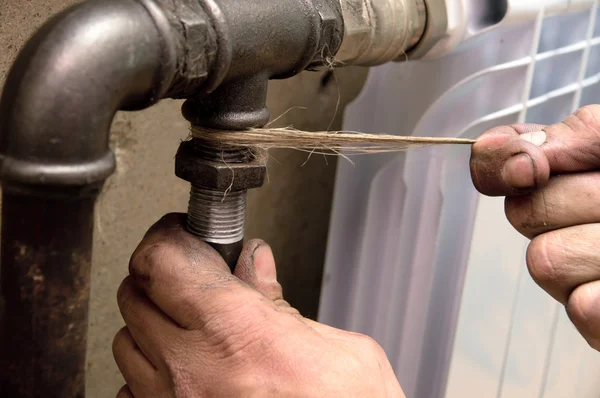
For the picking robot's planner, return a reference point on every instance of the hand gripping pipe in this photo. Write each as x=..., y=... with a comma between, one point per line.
x=102, y=56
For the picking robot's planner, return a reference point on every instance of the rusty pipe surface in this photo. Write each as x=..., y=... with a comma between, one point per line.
x=55, y=114
x=45, y=283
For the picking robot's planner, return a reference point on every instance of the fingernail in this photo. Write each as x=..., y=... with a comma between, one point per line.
x=264, y=263
x=537, y=138
x=519, y=172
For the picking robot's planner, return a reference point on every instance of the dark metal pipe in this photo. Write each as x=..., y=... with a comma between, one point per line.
x=55, y=114
x=230, y=252
x=301, y=39
x=66, y=86
x=46, y=258
x=276, y=39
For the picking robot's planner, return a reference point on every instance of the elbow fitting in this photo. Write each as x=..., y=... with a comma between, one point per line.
x=380, y=31
x=71, y=78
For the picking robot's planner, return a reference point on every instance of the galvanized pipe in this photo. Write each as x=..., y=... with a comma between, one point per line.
x=218, y=218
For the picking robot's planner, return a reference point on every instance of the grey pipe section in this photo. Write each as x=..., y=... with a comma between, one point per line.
x=55, y=114
x=67, y=84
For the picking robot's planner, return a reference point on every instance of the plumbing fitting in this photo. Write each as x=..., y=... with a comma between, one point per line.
x=220, y=178
x=434, y=34
x=102, y=56
x=380, y=31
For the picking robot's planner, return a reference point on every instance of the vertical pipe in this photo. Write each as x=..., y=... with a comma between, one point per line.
x=45, y=275
x=56, y=109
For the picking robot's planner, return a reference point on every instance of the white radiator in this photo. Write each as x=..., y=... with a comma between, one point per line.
x=421, y=262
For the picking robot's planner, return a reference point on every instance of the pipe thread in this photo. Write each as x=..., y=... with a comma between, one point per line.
x=216, y=216
x=218, y=153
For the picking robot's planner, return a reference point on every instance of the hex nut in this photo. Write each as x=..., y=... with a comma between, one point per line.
x=332, y=29
x=358, y=29
x=195, y=29
x=220, y=175
x=192, y=34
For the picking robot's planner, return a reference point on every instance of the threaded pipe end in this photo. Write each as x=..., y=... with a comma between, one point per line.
x=219, y=153
x=216, y=216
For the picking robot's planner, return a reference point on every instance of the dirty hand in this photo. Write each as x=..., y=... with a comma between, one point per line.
x=195, y=330
x=551, y=177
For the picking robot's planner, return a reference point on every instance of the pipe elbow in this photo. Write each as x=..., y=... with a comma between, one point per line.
x=68, y=82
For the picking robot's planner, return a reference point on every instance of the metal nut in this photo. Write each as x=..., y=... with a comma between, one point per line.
x=219, y=175
x=358, y=30
x=191, y=25
x=332, y=30
x=195, y=29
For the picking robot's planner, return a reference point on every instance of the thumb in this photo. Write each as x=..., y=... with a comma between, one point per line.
x=256, y=267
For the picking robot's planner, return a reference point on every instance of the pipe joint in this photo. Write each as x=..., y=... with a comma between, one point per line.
x=67, y=84
x=380, y=31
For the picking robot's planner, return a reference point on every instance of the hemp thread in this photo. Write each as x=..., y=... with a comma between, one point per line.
x=341, y=143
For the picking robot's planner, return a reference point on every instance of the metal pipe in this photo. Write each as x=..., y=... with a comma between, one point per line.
x=380, y=31
x=66, y=86
x=56, y=110
x=218, y=217
x=46, y=259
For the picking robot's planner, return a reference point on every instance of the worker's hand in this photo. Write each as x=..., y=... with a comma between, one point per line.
x=551, y=177
x=196, y=330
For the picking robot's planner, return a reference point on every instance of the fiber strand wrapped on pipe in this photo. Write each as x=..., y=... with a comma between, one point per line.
x=325, y=142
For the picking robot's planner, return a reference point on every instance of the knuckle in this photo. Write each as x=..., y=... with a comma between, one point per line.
x=178, y=368
x=274, y=291
x=581, y=311
x=530, y=214
x=585, y=122
x=240, y=338
x=283, y=306
x=147, y=258
x=540, y=260
x=520, y=212
x=577, y=308
x=124, y=392
x=118, y=339
x=124, y=295
x=370, y=345
x=588, y=116
x=368, y=354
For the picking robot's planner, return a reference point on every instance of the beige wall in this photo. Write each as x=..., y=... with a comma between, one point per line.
x=291, y=212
